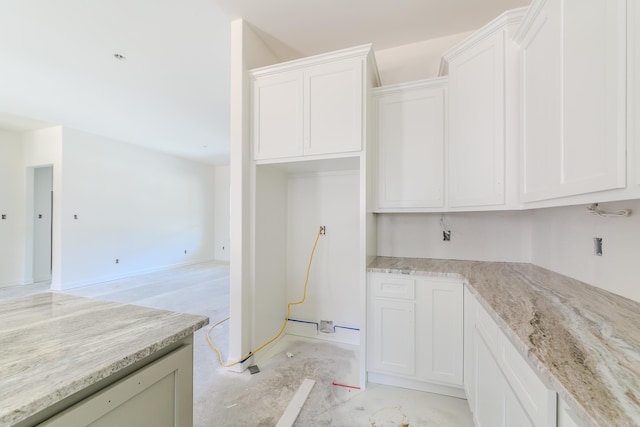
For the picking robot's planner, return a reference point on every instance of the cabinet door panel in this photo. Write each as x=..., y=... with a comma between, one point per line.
x=489, y=386
x=514, y=413
x=442, y=345
x=277, y=116
x=333, y=108
x=633, y=118
x=541, y=104
x=534, y=398
x=393, y=342
x=469, y=356
x=476, y=131
x=411, y=137
x=594, y=51
x=574, y=62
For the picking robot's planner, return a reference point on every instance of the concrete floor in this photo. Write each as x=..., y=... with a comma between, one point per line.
x=223, y=398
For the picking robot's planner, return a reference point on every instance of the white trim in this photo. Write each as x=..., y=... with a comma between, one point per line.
x=353, y=52
x=510, y=17
x=427, y=83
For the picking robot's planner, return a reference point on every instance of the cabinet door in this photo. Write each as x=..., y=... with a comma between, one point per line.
x=277, y=116
x=477, y=125
x=489, y=387
x=469, y=356
x=392, y=342
x=633, y=86
x=440, y=332
x=514, y=413
x=333, y=108
x=573, y=58
x=410, y=135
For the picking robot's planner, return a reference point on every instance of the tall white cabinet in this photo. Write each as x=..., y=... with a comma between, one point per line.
x=310, y=168
x=410, y=134
x=573, y=57
x=482, y=100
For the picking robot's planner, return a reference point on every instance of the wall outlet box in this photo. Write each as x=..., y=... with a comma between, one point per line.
x=326, y=326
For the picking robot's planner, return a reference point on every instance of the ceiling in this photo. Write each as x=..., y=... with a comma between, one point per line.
x=171, y=92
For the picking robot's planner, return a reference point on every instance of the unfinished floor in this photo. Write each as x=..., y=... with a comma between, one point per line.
x=223, y=398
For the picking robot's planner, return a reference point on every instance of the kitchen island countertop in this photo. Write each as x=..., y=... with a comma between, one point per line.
x=54, y=345
x=582, y=340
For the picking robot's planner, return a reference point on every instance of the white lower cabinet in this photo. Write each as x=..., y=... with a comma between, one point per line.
x=415, y=337
x=393, y=348
x=506, y=390
x=432, y=334
x=564, y=415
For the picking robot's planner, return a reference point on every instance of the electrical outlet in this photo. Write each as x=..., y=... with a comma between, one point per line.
x=446, y=235
x=597, y=246
x=326, y=326
x=323, y=230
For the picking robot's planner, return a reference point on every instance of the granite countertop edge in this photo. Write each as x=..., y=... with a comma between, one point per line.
x=122, y=360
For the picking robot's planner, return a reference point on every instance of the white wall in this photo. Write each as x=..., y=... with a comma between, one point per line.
x=12, y=204
x=482, y=236
x=140, y=206
x=330, y=199
x=221, y=214
x=247, y=51
x=415, y=61
x=269, y=279
x=559, y=239
x=562, y=241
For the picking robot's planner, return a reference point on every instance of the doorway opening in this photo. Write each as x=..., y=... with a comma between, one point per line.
x=42, y=223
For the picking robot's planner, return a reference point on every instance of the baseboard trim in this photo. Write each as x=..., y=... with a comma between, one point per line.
x=392, y=380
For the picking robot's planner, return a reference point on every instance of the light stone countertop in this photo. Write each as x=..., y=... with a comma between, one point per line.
x=582, y=340
x=54, y=345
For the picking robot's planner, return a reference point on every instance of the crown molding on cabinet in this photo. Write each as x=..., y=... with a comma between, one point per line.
x=437, y=81
x=525, y=27
x=509, y=17
x=365, y=50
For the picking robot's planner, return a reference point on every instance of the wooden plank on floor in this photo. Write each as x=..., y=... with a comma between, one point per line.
x=292, y=411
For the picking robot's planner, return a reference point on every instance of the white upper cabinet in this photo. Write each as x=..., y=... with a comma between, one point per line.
x=311, y=107
x=410, y=136
x=334, y=112
x=278, y=131
x=573, y=58
x=481, y=100
x=633, y=89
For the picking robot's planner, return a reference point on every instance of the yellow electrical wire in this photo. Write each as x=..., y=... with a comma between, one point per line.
x=284, y=324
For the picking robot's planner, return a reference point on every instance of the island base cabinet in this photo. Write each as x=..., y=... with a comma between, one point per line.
x=159, y=394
